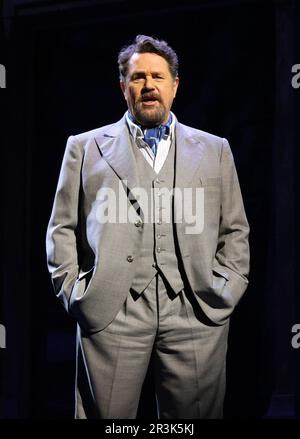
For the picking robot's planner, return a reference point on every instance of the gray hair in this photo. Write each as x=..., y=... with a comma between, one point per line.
x=146, y=44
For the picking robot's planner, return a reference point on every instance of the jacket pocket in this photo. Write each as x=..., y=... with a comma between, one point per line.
x=220, y=278
x=81, y=285
x=221, y=272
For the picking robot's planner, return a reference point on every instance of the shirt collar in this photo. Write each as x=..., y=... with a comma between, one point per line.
x=137, y=132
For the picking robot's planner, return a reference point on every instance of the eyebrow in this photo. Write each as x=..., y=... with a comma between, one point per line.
x=142, y=72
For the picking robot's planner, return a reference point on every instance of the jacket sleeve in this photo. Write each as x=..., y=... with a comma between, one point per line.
x=61, y=248
x=232, y=256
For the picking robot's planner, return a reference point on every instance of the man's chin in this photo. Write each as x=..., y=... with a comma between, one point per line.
x=149, y=117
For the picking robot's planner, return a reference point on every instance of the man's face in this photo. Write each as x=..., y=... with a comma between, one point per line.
x=149, y=88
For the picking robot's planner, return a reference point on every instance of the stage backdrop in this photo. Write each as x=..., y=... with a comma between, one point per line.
x=235, y=81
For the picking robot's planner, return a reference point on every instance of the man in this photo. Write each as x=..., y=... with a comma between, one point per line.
x=145, y=277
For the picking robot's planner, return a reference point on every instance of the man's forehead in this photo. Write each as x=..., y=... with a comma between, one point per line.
x=148, y=60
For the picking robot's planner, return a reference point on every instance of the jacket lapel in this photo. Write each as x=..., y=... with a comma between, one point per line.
x=189, y=151
x=115, y=147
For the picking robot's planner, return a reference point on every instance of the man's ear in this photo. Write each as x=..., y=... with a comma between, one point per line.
x=176, y=83
x=122, y=85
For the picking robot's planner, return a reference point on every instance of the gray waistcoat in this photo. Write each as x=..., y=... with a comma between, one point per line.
x=158, y=247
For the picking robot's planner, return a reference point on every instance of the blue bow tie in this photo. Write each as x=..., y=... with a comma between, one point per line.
x=152, y=136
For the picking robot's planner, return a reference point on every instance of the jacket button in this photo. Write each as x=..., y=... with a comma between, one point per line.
x=138, y=223
x=129, y=258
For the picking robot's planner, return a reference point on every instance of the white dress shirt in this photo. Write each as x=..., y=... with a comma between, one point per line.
x=156, y=162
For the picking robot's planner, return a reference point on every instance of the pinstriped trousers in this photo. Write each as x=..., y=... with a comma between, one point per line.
x=189, y=358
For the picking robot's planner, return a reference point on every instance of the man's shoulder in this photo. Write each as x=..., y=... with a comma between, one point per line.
x=85, y=136
x=200, y=135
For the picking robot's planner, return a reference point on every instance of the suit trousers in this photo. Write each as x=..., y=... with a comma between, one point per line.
x=187, y=351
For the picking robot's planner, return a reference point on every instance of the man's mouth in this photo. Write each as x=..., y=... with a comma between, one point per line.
x=149, y=100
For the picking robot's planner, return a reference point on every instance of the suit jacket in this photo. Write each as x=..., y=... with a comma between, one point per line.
x=92, y=263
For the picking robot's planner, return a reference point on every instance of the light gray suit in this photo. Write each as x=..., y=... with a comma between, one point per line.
x=93, y=264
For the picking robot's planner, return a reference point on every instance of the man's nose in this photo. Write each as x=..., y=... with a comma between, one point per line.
x=148, y=84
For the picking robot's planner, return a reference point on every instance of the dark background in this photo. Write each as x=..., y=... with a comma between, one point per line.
x=235, y=81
